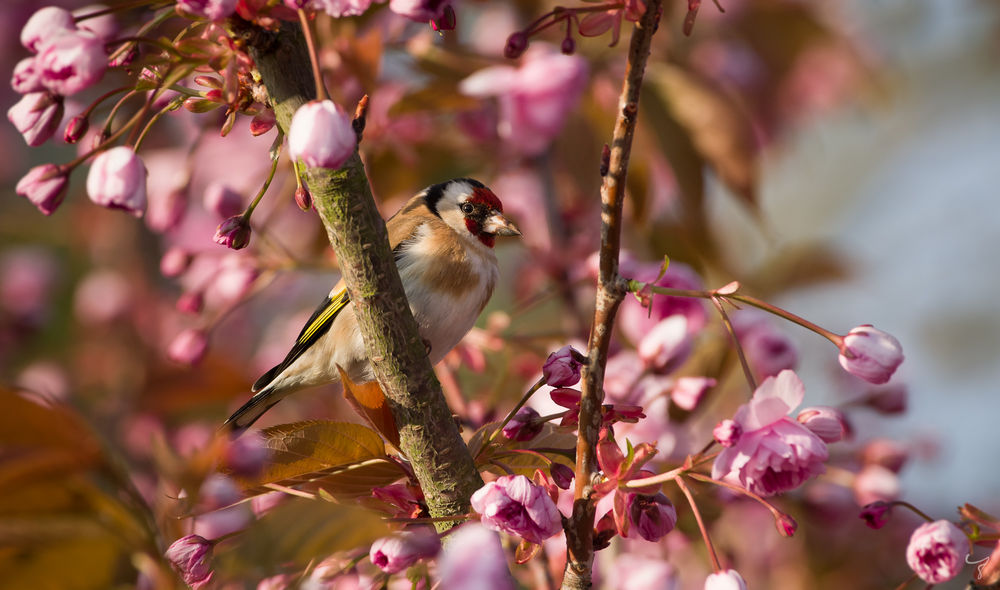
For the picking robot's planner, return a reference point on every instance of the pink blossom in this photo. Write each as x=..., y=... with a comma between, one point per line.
x=222, y=200
x=727, y=433
x=103, y=26
x=191, y=556
x=398, y=552
x=76, y=128
x=341, y=8
x=44, y=186
x=419, y=10
x=535, y=99
x=233, y=233
x=247, y=455
x=191, y=302
x=525, y=425
x=515, y=505
x=174, y=262
x=775, y=453
x=885, y=452
x=937, y=551
x=652, y=516
x=562, y=475
x=562, y=367
x=827, y=423
x=875, y=482
x=633, y=571
x=876, y=514
x=870, y=354
x=210, y=9
x=768, y=350
x=27, y=278
x=26, y=77
x=666, y=345
x=725, y=580
x=188, y=347
x=45, y=24
x=637, y=320
x=102, y=296
x=473, y=558
x=321, y=135
x=72, y=62
x=117, y=180
x=688, y=391
x=36, y=116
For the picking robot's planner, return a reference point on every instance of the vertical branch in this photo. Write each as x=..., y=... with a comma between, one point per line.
x=428, y=434
x=610, y=292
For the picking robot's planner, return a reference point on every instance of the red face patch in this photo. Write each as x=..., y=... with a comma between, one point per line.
x=476, y=230
x=486, y=197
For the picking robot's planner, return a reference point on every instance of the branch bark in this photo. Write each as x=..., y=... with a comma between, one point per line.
x=611, y=289
x=428, y=434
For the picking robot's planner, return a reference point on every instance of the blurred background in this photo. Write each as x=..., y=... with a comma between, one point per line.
x=840, y=160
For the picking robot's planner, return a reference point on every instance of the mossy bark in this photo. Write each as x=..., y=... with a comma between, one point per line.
x=428, y=434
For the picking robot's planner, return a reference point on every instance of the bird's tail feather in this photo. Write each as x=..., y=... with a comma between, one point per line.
x=244, y=417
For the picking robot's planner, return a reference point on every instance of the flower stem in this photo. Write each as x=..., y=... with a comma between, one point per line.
x=276, y=154
x=669, y=475
x=717, y=302
x=716, y=566
x=739, y=490
x=524, y=399
x=171, y=106
x=313, y=56
x=913, y=509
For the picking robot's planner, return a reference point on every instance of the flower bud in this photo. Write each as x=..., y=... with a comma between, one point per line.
x=786, y=525
x=117, y=180
x=188, y=347
x=875, y=482
x=321, y=135
x=936, y=551
x=688, y=391
x=727, y=433
x=870, y=354
x=233, y=233
x=726, y=580
x=568, y=46
x=446, y=22
x=76, y=128
x=885, y=452
x=45, y=24
x=44, y=186
x=395, y=554
x=192, y=302
x=36, y=116
x=222, y=200
x=825, y=422
x=72, y=62
x=262, y=122
x=191, y=556
x=562, y=475
x=516, y=44
x=474, y=558
x=303, y=198
x=524, y=425
x=650, y=516
x=174, y=262
x=876, y=514
x=247, y=455
x=562, y=367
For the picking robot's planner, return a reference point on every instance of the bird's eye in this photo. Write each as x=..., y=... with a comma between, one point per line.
x=466, y=208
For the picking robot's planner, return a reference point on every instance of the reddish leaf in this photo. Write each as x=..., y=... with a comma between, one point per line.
x=368, y=401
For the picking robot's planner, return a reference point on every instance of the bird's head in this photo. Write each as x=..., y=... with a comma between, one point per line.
x=471, y=209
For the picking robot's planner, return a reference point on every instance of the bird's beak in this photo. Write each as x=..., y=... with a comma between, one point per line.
x=499, y=225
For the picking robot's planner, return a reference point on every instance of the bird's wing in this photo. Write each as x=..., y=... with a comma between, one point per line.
x=317, y=325
x=403, y=225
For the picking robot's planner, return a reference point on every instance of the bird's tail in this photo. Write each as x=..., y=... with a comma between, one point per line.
x=261, y=402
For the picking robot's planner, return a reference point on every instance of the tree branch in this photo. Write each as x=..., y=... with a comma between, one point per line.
x=428, y=434
x=610, y=292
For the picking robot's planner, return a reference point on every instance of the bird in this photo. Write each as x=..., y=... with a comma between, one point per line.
x=442, y=242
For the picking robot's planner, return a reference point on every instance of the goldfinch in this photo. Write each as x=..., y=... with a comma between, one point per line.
x=442, y=240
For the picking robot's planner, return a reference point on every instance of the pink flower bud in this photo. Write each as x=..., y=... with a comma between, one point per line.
x=174, y=262
x=885, y=452
x=875, y=482
x=666, y=345
x=562, y=367
x=650, y=516
x=473, y=558
x=117, y=180
x=515, y=505
x=786, y=525
x=825, y=422
x=47, y=23
x=876, y=514
x=419, y=10
x=72, y=62
x=568, y=46
x=233, y=233
x=688, y=391
x=191, y=302
x=188, y=347
x=210, y=9
x=524, y=425
x=870, y=354
x=321, y=135
x=447, y=21
x=44, y=186
x=398, y=552
x=222, y=200
x=191, y=556
x=937, y=551
x=247, y=455
x=26, y=77
x=303, y=198
x=562, y=475
x=262, y=122
x=727, y=433
x=726, y=580
x=516, y=44
x=36, y=116
x=76, y=128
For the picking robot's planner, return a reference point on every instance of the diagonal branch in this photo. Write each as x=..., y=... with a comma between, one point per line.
x=610, y=292
x=428, y=434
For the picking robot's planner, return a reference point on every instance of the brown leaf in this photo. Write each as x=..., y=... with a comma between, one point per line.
x=368, y=401
x=552, y=441
x=525, y=551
